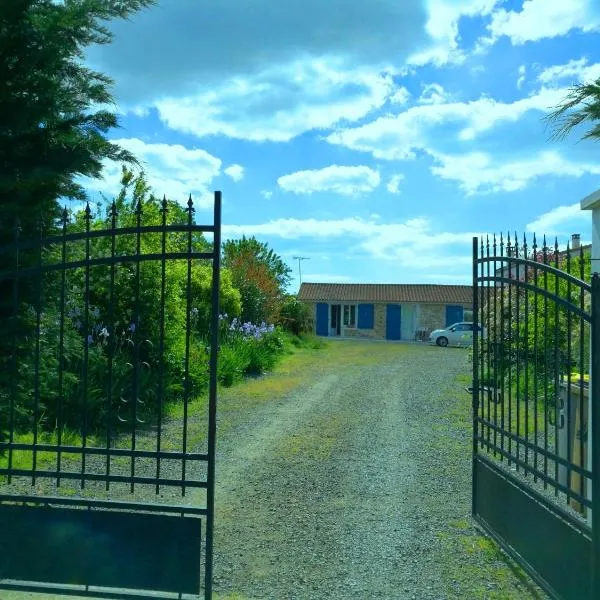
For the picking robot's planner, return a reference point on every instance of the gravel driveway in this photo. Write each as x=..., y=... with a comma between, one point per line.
x=346, y=474
x=356, y=484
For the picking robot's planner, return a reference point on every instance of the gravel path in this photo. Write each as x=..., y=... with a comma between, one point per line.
x=357, y=486
x=346, y=474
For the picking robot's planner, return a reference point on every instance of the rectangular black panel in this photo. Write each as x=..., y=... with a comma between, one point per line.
x=558, y=555
x=103, y=548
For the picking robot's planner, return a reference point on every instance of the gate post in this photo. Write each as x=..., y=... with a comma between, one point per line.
x=475, y=406
x=592, y=202
x=212, y=399
x=593, y=432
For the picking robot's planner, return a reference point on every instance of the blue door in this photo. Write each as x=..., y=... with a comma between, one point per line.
x=322, y=318
x=392, y=323
x=454, y=314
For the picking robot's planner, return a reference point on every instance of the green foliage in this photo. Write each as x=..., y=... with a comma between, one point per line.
x=247, y=349
x=295, y=316
x=260, y=275
x=527, y=328
x=308, y=341
x=52, y=128
x=126, y=328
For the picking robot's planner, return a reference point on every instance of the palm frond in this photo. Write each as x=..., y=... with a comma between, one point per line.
x=581, y=105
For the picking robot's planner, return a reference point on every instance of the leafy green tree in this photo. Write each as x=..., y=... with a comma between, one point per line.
x=52, y=125
x=261, y=276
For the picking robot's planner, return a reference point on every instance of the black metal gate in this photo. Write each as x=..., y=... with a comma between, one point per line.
x=108, y=380
x=535, y=460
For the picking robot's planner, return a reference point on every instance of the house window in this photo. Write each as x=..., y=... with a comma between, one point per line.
x=349, y=315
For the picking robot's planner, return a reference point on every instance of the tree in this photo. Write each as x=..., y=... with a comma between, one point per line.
x=51, y=127
x=260, y=275
x=582, y=105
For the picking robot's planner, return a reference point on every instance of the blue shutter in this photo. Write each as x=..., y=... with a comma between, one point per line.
x=454, y=314
x=322, y=318
x=393, y=322
x=366, y=316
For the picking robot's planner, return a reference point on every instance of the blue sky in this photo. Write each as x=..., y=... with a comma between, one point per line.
x=373, y=138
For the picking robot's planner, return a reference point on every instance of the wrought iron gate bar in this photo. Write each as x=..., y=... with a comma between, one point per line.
x=92, y=503
x=531, y=436
x=550, y=295
x=36, y=376
x=21, y=244
x=86, y=346
x=212, y=398
x=188, y=319
x=103, y=477
x=544, y=452
x=550, y=269
x=161, y=343
x=165, y=454
x=106, y=260
x=529, y=470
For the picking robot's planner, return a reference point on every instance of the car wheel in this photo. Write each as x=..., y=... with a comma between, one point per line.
x=442, y=341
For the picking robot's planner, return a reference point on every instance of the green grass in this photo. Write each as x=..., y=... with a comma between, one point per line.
x=23, y=459
x=316, y=440
x=476, y=567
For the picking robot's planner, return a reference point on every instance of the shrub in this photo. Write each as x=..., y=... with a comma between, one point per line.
x=247, y=349
x=295, y=316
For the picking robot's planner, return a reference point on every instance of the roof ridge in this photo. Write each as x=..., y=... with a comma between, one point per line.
x=432, y=293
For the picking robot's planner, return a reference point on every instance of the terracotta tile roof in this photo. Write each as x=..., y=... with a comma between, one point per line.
x=386, y=292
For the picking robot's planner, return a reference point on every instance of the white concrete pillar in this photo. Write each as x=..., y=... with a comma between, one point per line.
x=592, y=203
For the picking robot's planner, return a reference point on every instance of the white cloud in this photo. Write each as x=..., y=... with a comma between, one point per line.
x=407, y=243
x=479, y=173
x=283, y=101
x=577, y=70
x=442, y=27
x=294, y=67
x=344, y=180
x=266, y=194
x=393, y=185
x=276, y=81
x=433, y=93
x=236, y=172
x=521, y=80
x=171, y=169
x=394, y=137
x=539, y=19
x=400, y=96
x=555, y=221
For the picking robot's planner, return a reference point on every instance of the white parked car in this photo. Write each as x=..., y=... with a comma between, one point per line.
x=459, y=334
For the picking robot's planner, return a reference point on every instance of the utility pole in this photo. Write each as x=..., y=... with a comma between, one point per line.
x=300, y=259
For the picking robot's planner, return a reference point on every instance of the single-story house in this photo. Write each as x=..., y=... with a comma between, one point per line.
x=385, y=311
